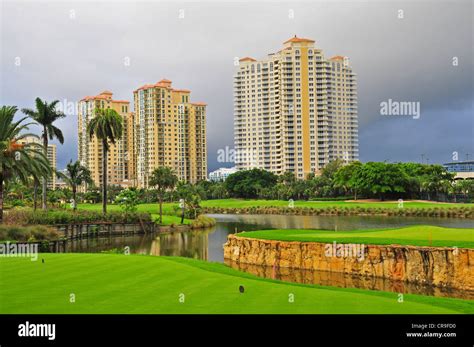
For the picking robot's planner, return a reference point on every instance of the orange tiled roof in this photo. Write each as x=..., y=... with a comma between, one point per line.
x=107, y=92
x=337, y=57
x=199, y=104
x=101, y=96
x=247, y=59
x=298, y=39
x=145, y=86
x=164, y=83
x=181, y=90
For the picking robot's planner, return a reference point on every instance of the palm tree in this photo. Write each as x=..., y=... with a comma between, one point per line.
x=18, y=161
x=45, y=115
x=107, y=126
x=163, y=178
x=75, y=176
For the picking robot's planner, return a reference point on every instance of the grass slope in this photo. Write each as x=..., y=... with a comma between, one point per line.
x=419, y=235
x=109, y=283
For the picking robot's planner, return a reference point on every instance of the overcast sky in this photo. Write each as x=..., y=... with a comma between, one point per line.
x=69, y=50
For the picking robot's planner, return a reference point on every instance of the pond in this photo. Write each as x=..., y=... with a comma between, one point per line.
x=207, y=245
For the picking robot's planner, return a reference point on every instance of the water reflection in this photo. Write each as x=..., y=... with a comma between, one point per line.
x=190, y=244
x=337, y=279
x=207, y=244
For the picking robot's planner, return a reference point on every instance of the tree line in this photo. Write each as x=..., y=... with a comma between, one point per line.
x=355, y=180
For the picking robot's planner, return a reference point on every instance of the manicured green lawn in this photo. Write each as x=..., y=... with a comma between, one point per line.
x=419, y=235
x=168, y=220
x=149, y=208
x=169, y=208
x=113, y=283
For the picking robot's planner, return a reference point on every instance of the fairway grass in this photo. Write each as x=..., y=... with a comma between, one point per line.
x=169, y=208
x=420, y=235
x=113, y=283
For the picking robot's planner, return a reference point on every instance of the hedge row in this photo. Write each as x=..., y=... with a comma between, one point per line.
x=457, y=212
x=55, y=217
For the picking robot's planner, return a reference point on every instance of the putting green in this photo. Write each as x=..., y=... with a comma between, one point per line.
x=419, y=235
x=113, y=283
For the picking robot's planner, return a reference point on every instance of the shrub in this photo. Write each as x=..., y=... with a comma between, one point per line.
x=55, y=217
x=27, y=233
x=128, y=200
x=203, y=222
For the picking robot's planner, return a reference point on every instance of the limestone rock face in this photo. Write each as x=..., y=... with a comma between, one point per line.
x=437, y=266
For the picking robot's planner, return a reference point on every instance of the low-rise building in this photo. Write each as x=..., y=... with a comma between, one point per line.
x=221, y=174
x=463, y=169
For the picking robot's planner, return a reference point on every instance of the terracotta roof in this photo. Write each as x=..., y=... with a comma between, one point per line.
x=101, y=96
x=199, y=104
x=298, y=39
x=107, y=92
x=164, y=83
x=145, y=86
x=181, y=90
x=337, y=57
x=247, y=59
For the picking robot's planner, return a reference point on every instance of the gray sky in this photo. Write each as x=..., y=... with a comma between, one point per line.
x=407, y=59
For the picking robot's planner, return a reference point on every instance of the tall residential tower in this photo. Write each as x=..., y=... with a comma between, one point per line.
x=169, y=130
x=295, y=110
x=90, y=150
x=51, y=156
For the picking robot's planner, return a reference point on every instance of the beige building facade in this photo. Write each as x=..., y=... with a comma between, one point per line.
x=52, y=150
x=295, y=110
x=169, y=130
x=90, y=149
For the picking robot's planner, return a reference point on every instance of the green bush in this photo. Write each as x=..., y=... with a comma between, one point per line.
x=27, y=233
x=203, y=222
x=54, y=217
x=458, y=212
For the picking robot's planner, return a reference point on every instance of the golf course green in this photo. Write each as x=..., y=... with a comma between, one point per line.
x=115, y=283
x=419, y=235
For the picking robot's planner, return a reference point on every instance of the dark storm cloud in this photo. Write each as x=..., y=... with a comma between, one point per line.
x=407, y=59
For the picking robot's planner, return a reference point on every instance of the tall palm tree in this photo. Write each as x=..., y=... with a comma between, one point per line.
x=76, y=174
x=45, y=115
x=163, y=178
x=18, y=161
x=107, y=126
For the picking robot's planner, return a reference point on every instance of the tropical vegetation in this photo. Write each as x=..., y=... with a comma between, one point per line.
x=107, y=127
x=45, y=115
x=18, y=161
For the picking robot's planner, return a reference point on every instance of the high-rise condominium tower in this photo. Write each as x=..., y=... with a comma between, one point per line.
x=295, y=110
x=51, y=156
x=90, y=149
x=169, y=130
